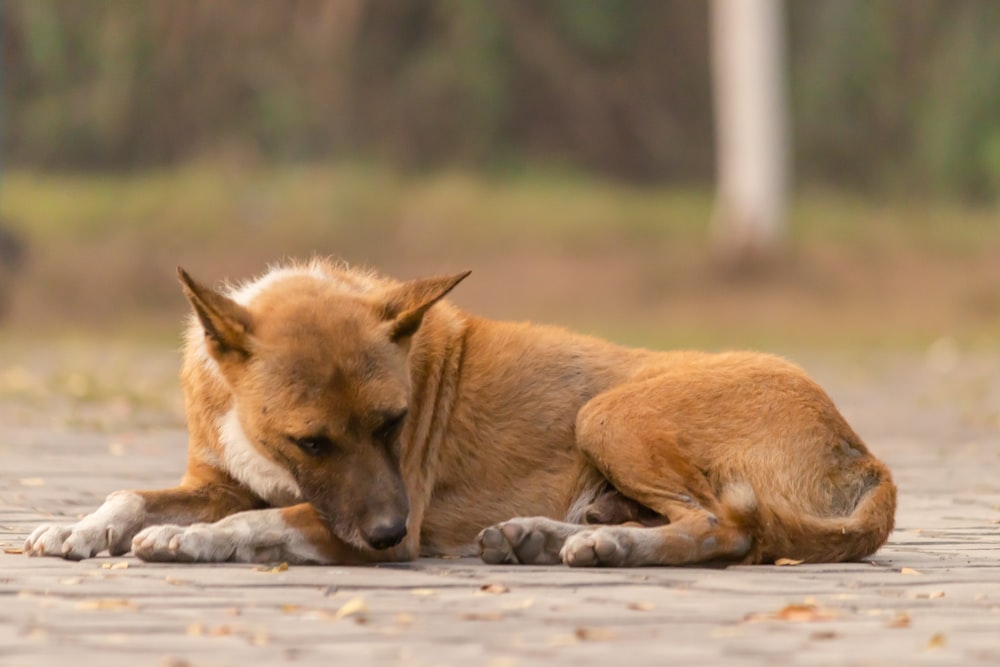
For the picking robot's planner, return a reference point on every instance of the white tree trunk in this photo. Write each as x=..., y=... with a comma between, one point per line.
x=748, y=54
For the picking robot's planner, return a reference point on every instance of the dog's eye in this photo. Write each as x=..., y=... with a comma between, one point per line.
x=314, y=445
x=389, y=428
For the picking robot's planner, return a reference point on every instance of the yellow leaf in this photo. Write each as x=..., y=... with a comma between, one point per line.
x=353, y=607
x=909, y=570
x=781, y=562
x=900, y=620
x=280, y=568
x=13, y=551
x=936, y=641
x=105, y=604
x=495, y=589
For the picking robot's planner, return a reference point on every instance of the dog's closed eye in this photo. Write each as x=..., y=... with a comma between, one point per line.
x=314, y=445
x=389, y=428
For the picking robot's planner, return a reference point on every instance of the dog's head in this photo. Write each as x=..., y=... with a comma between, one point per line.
x=321, y=383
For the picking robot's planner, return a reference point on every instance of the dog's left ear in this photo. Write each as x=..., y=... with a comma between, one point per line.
x=405, y=305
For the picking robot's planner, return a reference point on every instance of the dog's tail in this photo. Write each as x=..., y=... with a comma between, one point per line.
x=782, y=529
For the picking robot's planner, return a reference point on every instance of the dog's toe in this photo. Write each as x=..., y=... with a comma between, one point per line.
x=47, y=540
x=494, y=548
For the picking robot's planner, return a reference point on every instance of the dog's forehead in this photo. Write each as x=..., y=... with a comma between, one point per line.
x=322, y=339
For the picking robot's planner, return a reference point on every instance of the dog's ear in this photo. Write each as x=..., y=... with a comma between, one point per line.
x=405, y=305
x=226, y=323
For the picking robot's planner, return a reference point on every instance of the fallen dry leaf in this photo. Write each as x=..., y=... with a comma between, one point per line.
x=495, y=589
x=929, y=595
x=481, y=616
x=794, y=613
x=291, y=608
x=220, y=631
x=782, y=562
x=936, y=641
x=900, y=620
x=120, y=565
x=353, y=607
x=13, y=550
x=909, y=570
x=277, y=568
x=592, y=634
x=641, y=606
x=106, y=604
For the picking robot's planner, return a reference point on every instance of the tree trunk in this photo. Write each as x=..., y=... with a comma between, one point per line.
x=748, y=54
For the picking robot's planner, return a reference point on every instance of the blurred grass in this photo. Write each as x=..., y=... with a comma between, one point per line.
x=559, y=246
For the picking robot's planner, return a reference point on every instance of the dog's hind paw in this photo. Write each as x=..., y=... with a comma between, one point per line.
x=598, y=547
x=528, y=540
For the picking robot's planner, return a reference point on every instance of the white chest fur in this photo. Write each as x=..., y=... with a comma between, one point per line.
x=250, y=467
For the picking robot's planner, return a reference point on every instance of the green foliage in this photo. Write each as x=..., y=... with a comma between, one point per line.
x=886, y=94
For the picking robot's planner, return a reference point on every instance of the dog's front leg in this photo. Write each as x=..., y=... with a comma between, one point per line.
x=124, y=513
x=293, y=534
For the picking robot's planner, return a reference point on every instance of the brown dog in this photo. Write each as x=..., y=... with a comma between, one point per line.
x=337, y=416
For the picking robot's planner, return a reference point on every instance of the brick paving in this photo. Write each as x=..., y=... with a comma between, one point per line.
x=931, y=596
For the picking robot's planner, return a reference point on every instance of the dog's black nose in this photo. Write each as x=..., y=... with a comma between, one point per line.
x=387, y=534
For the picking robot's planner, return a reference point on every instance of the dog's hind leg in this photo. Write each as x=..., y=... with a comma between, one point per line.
x=629, y=436
x=691, y=540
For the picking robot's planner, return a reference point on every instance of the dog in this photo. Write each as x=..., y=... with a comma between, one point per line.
x=337, y=416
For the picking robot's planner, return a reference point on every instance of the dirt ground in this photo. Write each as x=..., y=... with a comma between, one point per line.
x=80, y=418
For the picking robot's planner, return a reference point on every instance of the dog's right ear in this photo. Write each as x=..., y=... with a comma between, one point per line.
x=226, y=323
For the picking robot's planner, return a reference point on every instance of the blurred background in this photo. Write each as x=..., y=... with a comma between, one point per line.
x=572, y=154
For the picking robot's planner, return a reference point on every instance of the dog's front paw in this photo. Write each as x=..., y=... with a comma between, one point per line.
x=200, y=542
x=605, y=546
x=110, y=528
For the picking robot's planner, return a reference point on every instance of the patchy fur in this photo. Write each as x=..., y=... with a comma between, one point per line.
x=378, y=422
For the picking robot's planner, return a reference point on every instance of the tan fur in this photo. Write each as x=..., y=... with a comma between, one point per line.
x=696, y=457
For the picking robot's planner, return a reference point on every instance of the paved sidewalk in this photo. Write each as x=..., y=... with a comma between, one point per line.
x=932, y=595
